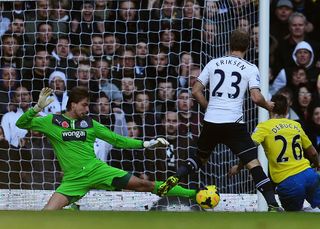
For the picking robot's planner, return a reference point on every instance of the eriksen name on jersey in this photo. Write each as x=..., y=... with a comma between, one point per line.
x=234, y=62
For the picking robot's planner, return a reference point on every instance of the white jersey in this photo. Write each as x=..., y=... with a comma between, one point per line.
x=12, y=133
x=229, y=78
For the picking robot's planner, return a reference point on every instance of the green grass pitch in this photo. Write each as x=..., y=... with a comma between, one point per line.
x=156, y=220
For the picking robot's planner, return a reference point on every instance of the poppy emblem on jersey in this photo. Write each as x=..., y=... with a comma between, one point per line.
x=65, y=124
x=83, y=124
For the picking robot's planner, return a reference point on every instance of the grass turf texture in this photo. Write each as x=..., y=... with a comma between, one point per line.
x=155, y=220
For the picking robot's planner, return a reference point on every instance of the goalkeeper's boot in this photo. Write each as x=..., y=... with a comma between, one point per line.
x=272, y=208
x=166, y=186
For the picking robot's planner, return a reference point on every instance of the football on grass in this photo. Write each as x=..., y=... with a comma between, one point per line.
x=208, y=197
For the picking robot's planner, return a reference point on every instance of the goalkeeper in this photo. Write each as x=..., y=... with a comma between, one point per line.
x=72, y=135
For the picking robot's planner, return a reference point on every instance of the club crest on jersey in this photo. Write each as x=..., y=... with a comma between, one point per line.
x=83, y=124
x=75, y=135
x=65, y=124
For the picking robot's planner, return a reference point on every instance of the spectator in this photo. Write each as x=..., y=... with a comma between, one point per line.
x=111, y=44
x=243, y=23
x=313, y=130
x=12, y=133
x=166, y=11
x=279, y=27
x=4, y=167
x=128, y=88
x=142, y=52
x=36, y=77
x=84, y=25
x=144, y=114
x=113, y=118
x=80, y=54
x=62, y=57
x=16, y=9
x=189, y=119
x=45, y=173
x=102, y=10
x=84, y=78
x=10, y=51
x=297, y=25
x=60, y=17
x=298, y=76
x=96, y=49
x=209, y=39
x=58, y=82
x=126, y=26
x=8, y=83
x=303, y=56
x=158, y=67
x=125, y=66
x=39, y=15
x=45, y=36
x=316, y=94
x=102, y=74
x=191, y=26
x=213, y=9
x=208, y=32
x=166, y=95
x=191, y=9
x=308, y=9
x=130, y=160
x=183, y=70
x=253, y=53
x=134, y=130
x=17, y=28
x=169, y=40
x=303, y=103
x=13, y=165
x=4, y=21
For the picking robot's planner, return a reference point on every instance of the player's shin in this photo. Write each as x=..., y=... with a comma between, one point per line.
x=264, y=185
x=176, y=191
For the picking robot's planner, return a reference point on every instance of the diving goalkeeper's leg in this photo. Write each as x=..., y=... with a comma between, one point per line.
x=142, y=185
x=177, y=190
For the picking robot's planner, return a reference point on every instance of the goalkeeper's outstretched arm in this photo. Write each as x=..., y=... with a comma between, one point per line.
x=123, y=142
x=28, y=120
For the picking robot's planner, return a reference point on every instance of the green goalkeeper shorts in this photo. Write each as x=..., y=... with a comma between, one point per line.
x=97, y=175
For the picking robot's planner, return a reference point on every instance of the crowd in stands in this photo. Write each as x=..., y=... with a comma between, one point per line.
x=139, y=60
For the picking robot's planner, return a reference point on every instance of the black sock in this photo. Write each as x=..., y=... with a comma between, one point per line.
x=263, y=184
x=191, y=166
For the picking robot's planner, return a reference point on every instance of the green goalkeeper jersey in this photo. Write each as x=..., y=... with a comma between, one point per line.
x=73, y=139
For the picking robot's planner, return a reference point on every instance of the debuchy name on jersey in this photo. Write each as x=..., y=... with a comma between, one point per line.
x=229, y=78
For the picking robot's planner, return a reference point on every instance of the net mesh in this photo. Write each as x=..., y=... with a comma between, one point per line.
x=138, y=60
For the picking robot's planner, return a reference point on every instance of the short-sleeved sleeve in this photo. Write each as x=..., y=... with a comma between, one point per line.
x=254, y=79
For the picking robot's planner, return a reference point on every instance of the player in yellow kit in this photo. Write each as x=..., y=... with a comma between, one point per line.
x=289, y=152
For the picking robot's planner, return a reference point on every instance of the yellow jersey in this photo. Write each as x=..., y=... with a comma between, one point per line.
x=283, y=141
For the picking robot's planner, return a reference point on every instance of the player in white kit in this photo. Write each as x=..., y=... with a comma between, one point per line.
x=229, y=78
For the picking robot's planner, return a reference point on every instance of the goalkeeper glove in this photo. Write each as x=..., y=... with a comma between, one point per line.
x=43, y=99
x=155, y=143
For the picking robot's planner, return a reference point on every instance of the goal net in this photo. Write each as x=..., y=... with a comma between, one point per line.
x=138, y=56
